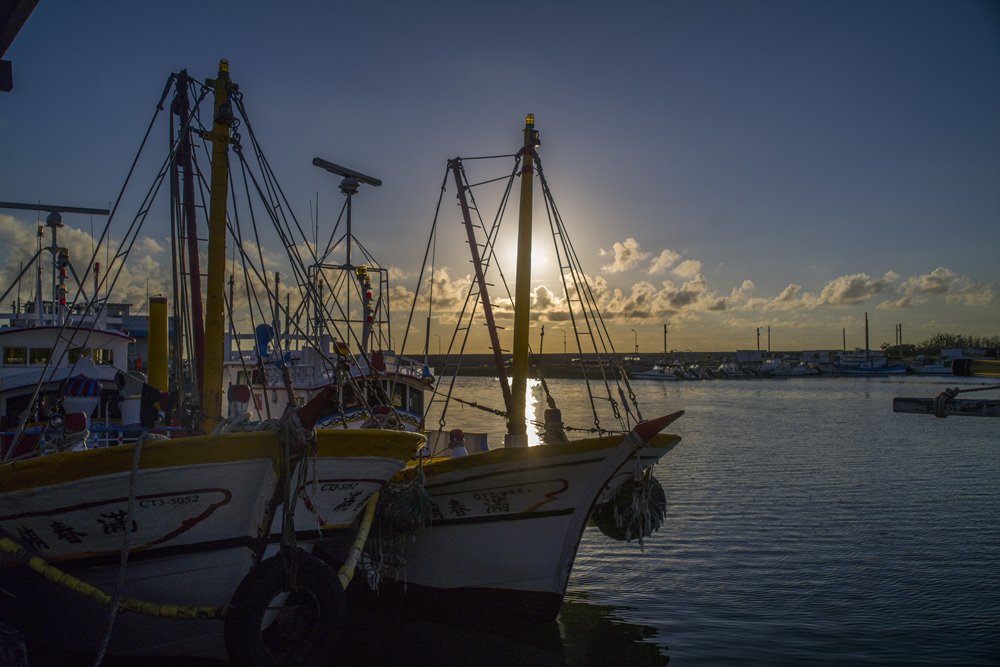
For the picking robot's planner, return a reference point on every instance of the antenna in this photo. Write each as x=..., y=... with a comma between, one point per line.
x=345, y=172
x=54, y=209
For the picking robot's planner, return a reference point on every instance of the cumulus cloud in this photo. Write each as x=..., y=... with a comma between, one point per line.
x=788, y=295
x=856, y=288
x=149, y=245
x=626, y=255
x=663, y=261
x=689, y=268
x=544, y=300
x=944, y=282
x=147, y=268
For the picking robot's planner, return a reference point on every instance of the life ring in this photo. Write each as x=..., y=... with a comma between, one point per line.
x=272, y=623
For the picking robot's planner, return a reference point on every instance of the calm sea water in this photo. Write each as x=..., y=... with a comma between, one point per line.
x=806, y=522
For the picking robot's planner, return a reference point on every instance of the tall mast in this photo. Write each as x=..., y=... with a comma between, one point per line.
x=484, y=294
x=215, y=305
x=517, y=431
x=185, y=162
x=866, y=336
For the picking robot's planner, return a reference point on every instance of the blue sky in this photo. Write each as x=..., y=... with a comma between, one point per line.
x=788, y=163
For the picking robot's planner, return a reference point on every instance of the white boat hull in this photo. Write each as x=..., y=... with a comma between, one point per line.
x=506, y=528
x=198, y=518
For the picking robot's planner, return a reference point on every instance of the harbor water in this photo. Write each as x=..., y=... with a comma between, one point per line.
x=806, y=523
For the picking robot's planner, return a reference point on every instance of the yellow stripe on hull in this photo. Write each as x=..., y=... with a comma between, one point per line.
x=196, y=450
x=399, y=445
x=70, y=466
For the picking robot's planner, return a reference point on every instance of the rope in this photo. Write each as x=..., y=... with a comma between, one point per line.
x=56, y=575
x=346, y=571
x=941, y=400
x=123, y=556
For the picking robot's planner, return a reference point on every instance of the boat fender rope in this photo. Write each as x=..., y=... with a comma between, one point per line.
x=54, y=574
x=941, y=402
x=346, y=571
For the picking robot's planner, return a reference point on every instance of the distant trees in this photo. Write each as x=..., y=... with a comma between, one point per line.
x=933, y=345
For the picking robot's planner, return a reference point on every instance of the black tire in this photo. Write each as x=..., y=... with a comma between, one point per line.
x=304, y=631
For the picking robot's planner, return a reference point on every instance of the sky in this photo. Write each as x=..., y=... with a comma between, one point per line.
x=720, y=165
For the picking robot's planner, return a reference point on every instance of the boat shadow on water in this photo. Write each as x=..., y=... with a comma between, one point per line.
x=391, y=633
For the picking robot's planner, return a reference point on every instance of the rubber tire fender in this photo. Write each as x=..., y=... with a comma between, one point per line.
x=317, y=585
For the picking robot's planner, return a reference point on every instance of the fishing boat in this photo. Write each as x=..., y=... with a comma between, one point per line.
x=782, y=368
x=940, y=366
x=660, y=371
x=59, y=357
x=163, y=545
x=507, y=518
x=373, y=385
x=867, y=362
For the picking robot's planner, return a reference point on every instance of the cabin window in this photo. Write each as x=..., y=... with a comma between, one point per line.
x=15, y=356
x=105, y=357
x=350, y=399
x=416, y=401
x=399, y=396
x=74, y=355
x=39, y=355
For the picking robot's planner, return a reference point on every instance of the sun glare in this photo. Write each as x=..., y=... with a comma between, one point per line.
x=541, y=264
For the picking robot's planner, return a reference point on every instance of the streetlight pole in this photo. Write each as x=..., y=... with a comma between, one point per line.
x=563, y=331
x=635, y=338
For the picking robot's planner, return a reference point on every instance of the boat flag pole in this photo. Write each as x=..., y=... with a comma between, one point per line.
x=215, y=303
x=517, y=431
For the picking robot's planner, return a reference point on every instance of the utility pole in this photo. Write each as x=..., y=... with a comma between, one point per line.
x=758, y=339
x=768, y=337
x=843, y=332
x=665, y=339
x=541, y=341
x=635, y=338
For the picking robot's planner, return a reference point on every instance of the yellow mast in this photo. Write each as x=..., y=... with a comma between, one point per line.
x=215, y=304
x=157, y=344
x=517, y=432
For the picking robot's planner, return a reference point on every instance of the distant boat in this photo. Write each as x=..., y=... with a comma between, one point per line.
x=781, y=368
x=873, y=370
x=660, y=371
x=867, y=361
x=939, y=367
x=730, y=370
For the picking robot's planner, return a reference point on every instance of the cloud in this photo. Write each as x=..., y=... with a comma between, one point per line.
x=856, y=288
x=664, y=261
x=952, y=286
x=689, y=268
x=149, y=245
x=788, y=295
x=627, y=255
x=141, y=272
x=544, y=300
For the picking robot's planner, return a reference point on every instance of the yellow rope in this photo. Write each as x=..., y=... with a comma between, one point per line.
x=346, y=571
x=56, y=575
